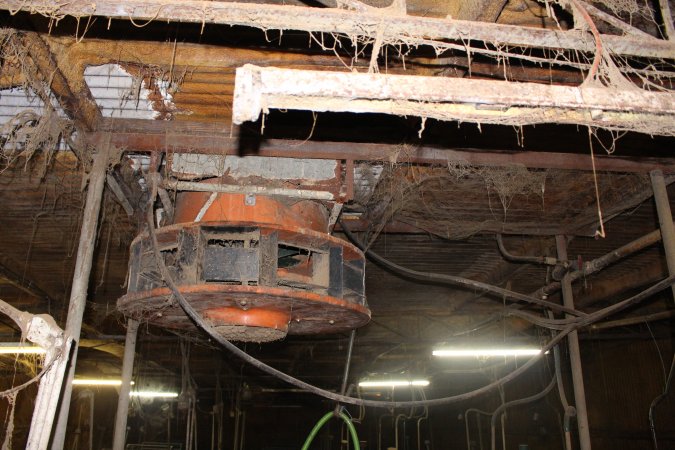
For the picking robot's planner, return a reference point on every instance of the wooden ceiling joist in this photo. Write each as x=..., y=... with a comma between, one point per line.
x=74, y=97
x=371, y=24
x=258, y=89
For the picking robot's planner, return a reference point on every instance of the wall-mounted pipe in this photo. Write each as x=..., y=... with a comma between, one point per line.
x=466, y=426
x=522, y=401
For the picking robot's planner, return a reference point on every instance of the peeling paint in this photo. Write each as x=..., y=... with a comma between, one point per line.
x=121, y=94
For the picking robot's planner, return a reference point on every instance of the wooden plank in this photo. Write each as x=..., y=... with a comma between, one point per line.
x=259, y=89
x=370, y=24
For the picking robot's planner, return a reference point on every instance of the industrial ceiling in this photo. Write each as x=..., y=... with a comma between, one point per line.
x=479, y=153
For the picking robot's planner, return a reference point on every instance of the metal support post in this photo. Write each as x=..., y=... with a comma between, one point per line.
x=665, y=219
x=78, y=293
x=120, y=433
x=575, y=354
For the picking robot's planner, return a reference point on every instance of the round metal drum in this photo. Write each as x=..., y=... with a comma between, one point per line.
x=255, y=268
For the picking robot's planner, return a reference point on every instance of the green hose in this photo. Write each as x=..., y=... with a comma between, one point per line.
x=322, y=422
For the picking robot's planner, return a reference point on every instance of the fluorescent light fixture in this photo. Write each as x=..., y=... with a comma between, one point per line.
x=19, y=348
x=394, y=383
x=153, y=394
x=96, y=382
x=486, y=352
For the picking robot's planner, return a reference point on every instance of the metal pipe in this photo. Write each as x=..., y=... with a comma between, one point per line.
x=665, y=218
x=466, y=425
x=396, y=430
x=345, y=374
x=419, y=433
x=499, y=412
x=575, y=354
x=120, y=432
x=78, y=292
x=603, y=261
x=524, y=259
x=43, y=331
x=633, y=320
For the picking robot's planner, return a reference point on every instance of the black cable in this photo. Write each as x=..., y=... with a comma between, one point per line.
x=201, y=323
x=458, y=281
x=656, y=402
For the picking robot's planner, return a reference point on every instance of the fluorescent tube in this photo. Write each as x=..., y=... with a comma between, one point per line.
x=394, y=383
x=485, y=352
x=153, y=394
x=19, y=348
x=96, y=382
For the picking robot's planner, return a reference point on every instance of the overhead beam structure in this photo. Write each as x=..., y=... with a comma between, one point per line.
x=137, y=135
x=371, y=24
x=259, y=89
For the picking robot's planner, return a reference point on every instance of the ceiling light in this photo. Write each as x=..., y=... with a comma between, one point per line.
x=394, y=383
x=153, y=394
x=486, y=352
x=96, y=382
x=19, y=348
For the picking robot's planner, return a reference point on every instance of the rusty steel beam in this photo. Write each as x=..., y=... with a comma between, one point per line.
x=259, y=89
x=77, y=102
x=136, y=135
x=371, y=24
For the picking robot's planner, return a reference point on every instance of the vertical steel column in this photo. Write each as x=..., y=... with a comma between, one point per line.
x=120, y=432
x=78, y=292
x=575, y=354
x=665, y=219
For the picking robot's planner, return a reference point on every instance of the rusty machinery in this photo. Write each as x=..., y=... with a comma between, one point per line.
x=257, y=268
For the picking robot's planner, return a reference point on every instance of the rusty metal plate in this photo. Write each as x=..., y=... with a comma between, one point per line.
x=309, y=313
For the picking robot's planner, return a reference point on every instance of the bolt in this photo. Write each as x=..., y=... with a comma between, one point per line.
x=243, y=302
x=331, y=322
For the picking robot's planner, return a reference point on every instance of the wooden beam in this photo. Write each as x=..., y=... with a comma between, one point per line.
x=73, y=96
x=369, y=24
x=259, y=89
x=615, y=22
x=212, y=138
